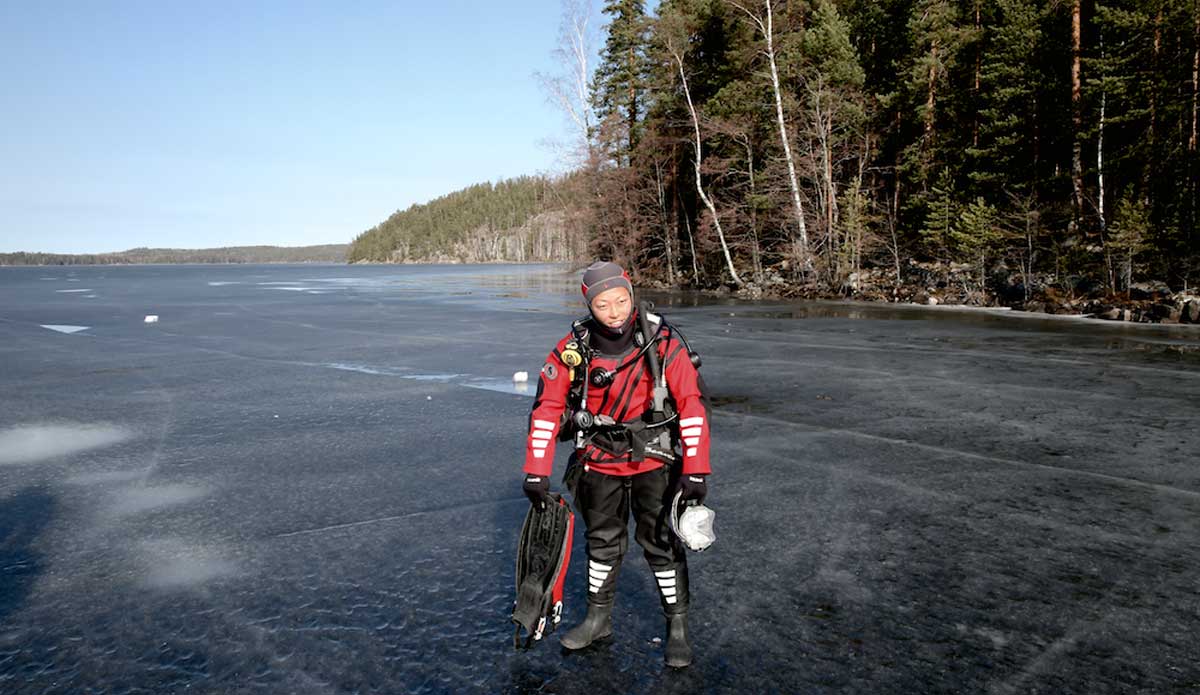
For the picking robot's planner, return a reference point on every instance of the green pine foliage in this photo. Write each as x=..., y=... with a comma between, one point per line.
x=934, y=131
x=941, y=216
x=1003, y=154
x=620, y=79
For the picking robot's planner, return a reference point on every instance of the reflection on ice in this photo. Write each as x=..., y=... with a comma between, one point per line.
x=29, y=443
x=172, y=563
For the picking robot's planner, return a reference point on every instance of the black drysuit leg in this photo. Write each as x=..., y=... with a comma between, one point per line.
x=605, y=502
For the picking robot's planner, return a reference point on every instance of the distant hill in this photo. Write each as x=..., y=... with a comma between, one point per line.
x=326, y=253
x=519, y=220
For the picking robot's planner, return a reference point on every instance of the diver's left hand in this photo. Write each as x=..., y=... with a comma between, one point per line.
x=694, y=488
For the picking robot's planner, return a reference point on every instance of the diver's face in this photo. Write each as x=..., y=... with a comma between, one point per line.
x=612, y=307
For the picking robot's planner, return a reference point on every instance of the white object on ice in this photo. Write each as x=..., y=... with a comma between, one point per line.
x=152, y=318
x=521, y=376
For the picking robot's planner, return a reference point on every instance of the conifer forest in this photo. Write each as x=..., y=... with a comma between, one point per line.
x=994, y=150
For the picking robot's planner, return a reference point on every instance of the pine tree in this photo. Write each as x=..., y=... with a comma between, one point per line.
x=941, y=216
x=975, y=233
x=620, y=78
x=937, y=38
x=1130, y=229
x=1005, y=159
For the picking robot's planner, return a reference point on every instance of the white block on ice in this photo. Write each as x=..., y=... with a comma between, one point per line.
x=521, y=377
x=152, y=318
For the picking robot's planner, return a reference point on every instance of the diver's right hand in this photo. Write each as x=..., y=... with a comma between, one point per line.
x=537, y=489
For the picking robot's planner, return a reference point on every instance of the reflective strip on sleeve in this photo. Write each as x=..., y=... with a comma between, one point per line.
x=547, y=425
x=691, y=422
x=539, y=453
x=542, y=434
x=692, y=431
x=691, y=451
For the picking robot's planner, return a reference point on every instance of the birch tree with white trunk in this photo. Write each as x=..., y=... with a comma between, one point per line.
x=676, y=51
x=765, y=24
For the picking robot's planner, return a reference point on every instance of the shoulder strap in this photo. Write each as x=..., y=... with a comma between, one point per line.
x=660, y=382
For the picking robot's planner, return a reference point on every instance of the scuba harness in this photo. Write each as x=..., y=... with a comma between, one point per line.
x=648, y=434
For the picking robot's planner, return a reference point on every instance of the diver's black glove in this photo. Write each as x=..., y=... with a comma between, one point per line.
x=537, y=489
x=694, y=488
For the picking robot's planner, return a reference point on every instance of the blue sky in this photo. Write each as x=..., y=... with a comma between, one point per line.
x=213, y=123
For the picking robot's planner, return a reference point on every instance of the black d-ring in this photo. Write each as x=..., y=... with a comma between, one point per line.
x=600, y=377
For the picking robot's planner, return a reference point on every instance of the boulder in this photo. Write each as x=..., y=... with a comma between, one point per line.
x=1149, y=290
x=1111, y=313
x=1191, y=311
x=1165, y=313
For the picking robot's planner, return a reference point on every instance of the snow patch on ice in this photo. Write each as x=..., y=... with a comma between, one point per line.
x=106, y=477
x=172, y=563
x=30, y=443
x=363, y=369
x=136, y=500
x=222, y=283
x=521, y=388
x=63, y=328
x=66, y=291
x=501, y=385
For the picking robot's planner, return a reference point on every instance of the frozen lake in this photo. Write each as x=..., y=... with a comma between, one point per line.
x=306, y=479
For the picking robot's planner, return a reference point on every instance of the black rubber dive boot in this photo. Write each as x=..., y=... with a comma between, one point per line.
x=597, y=625
x=602, y=583
x=673, y=590
x=679, y=650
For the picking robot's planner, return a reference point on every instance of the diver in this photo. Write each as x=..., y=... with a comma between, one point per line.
x=623, y=386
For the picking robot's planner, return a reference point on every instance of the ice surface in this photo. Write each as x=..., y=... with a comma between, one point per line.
x=289, y=493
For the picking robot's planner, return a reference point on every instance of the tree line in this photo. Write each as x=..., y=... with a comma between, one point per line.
x=1001, y=146
x=516, y=220
x=325, y=253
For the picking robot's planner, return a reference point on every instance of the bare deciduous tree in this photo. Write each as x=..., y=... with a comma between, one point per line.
x=571, y=90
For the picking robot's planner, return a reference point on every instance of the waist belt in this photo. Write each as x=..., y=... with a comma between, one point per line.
x=635, y=438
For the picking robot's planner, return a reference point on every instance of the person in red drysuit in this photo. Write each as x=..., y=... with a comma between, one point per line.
x=624, y=471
